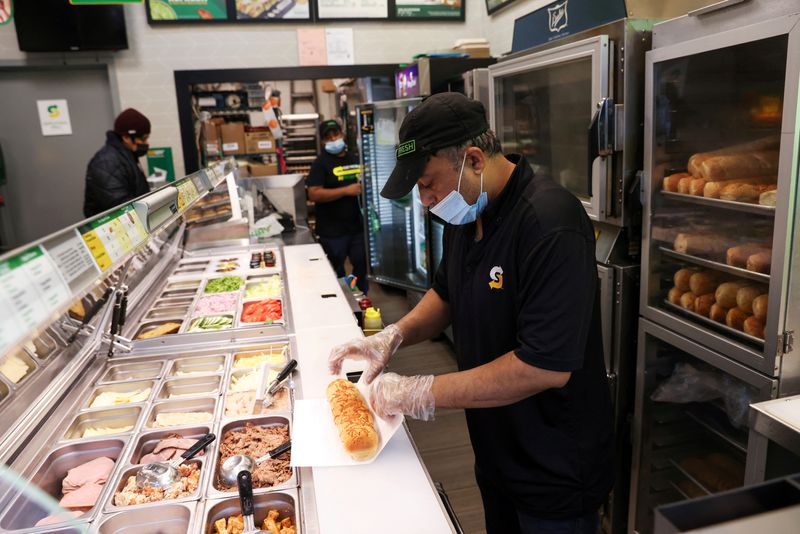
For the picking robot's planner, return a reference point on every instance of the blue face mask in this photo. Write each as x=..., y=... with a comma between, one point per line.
x=335, y=147
x=455, y=210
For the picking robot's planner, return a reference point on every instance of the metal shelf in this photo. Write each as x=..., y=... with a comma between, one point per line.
x=685, y=473
x=696, y=415
x=719, y=203
x=737, y=271
x=683, y=493
x=720, y=326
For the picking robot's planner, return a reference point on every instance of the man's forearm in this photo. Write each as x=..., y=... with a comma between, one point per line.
x=501, y=382
x=323, y=195
x=426, y=320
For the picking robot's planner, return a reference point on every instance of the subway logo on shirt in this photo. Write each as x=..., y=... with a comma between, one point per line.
x=347, y=172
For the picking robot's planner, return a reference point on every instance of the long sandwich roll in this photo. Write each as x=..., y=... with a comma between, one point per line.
x=732, y=166
x=772, y=142
x=353, y=419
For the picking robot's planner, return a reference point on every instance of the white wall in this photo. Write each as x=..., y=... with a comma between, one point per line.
x=144, y=72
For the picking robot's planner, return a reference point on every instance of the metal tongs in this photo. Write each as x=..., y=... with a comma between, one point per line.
x=264, y=398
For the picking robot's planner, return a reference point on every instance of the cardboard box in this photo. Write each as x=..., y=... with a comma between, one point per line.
x=233, y=138
x=263, y=169
x=212, y=139
x=259, y=142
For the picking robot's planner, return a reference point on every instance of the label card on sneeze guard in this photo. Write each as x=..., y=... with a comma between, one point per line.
x=31, y=288
x=112, y=236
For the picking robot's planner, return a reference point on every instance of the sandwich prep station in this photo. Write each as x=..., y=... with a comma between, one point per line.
x=138, y=348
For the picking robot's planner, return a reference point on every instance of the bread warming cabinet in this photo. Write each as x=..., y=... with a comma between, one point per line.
x=719, y=287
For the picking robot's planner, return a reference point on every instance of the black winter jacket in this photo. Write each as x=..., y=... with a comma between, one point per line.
x=112, y=177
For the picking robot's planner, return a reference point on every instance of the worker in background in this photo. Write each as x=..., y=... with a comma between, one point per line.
x=334, y=186
x=518, y=283
x=114, y=175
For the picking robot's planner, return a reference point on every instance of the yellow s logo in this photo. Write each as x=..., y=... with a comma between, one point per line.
x=496, y=278
x=53, y=111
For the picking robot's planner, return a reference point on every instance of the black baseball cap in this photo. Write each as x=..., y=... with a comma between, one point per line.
x=440, y=121
x=326, y=126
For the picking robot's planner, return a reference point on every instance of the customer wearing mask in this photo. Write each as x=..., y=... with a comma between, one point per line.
x=114, y=175
x=334, y=186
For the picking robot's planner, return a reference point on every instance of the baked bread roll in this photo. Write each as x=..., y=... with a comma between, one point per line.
x=760, y=305
x=736, y=318
x=161, y=330
x=674, y=296
x=699, y=244
x=670, y=182
x=737, y=256
x=726, y=294
x=768, y=198
x=754, y=326
x=772, y=142
x=353, y=419
x=705, y=282
x=741, y=165
x=714, y=189
x=760, y=262
x=745, y=297
x=703, y=303
x=682, y=276
x=743, y=192
x=77, y=311
x=683, y=184
x=687, y=300
x=718, y=313
x=696, y=186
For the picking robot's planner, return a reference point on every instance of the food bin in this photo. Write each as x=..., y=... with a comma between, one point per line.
x=115, y=418
x=147, y=441
x=170, y=519
x=121, y=481
x=284, y=502
x=24, y=512
x=122, y=387
x=132, y=371
x=207, y=405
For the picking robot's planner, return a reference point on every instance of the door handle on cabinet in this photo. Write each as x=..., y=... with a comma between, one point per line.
x=601, y=135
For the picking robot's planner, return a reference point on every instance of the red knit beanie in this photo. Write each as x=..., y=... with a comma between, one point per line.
x=131, y=122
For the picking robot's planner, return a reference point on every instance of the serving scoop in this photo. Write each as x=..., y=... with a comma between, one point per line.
x=230, y=468
x=165, y=474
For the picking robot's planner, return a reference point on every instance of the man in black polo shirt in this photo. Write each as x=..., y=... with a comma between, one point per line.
x=334, y=186
x=518, y=283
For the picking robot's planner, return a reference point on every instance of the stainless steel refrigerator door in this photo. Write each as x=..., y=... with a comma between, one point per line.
x=774, y=47
x=542, y=105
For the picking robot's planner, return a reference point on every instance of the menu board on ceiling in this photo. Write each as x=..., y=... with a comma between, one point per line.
x=187, y=10
x=271, y=10
x=352, y=9
x=493, y=5
x=429, y=9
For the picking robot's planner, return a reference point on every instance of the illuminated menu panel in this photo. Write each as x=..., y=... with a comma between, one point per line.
x=111, y=237
x=31, y=288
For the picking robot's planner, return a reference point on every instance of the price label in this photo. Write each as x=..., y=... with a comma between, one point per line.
x=31, y=288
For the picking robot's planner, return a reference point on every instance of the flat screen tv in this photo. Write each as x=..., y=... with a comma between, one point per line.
x=58, y=26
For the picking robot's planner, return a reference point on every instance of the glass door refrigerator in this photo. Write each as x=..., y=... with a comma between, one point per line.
x=396, y=230
x=720, y=247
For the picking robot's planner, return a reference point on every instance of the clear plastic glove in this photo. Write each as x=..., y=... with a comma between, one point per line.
x=375, y=350
x=392, y=394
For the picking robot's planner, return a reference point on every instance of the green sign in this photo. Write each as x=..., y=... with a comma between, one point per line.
x=6, y=11
x=102, y=2
x=160, y=159
x=188, y=9
x=414, y=9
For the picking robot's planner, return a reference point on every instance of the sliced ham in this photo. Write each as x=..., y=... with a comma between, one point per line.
x=60, y=518
x=95, y=471
x=84, y=497
x=175, y=443
x=162, y=456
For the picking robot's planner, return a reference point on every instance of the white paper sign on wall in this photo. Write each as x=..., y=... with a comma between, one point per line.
x=54, y=117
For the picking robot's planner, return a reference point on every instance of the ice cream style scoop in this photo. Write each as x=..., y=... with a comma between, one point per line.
x=165, y=474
